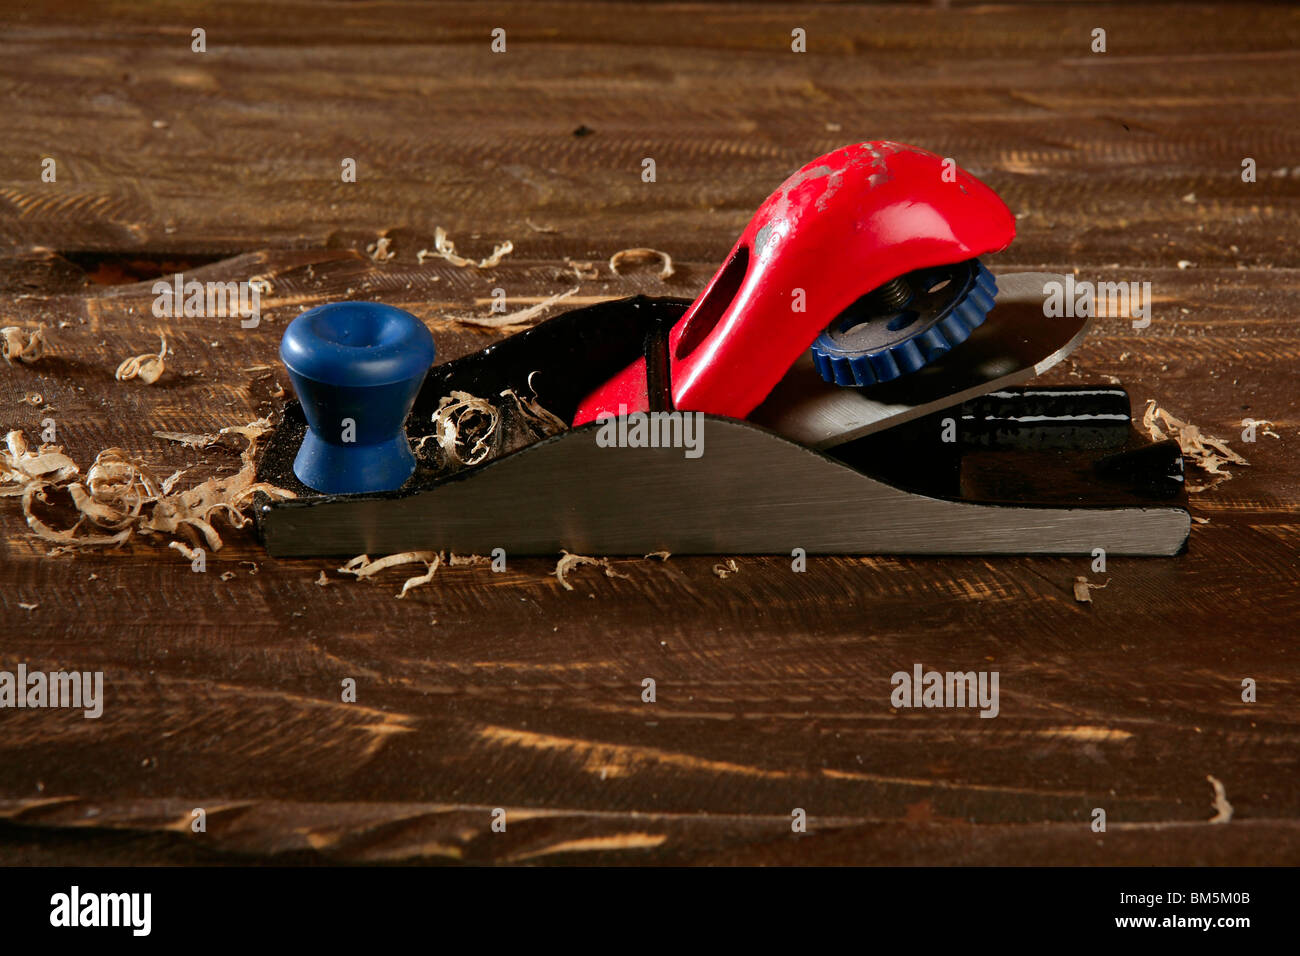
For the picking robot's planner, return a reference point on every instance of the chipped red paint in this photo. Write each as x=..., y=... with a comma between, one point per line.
x=839, y=227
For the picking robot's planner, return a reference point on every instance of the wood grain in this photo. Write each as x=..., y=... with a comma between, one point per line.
x=484, y=691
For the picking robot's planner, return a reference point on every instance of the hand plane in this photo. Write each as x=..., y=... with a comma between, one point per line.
x=851, y=381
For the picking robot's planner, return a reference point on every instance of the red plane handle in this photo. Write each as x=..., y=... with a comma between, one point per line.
x=841, y=226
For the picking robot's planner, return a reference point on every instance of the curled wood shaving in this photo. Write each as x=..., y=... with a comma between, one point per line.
x=636, y=256
x=147, y=368
x=380, y=250
x=507, y=319
x=583, y=271
x=1222, y=808
x=1083, y=590
x=462, y=419
x=35, y=399
x=362, y=567
x=419, y=579
x=121, y=494
x=190, y=553
x=20, y=466
x=569, y=561
x=541, y=420
x=1209, y=453
x=13, y=346
x=726, y=569
x=660, y=555
x=444, y=248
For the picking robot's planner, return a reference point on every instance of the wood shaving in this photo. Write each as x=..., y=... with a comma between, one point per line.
x=508, y=319
x=121, y=494
x=660, y=555
x=381, y=250
x=35, y=399
x=1209, y=453
x=20, y=466
x=190, y=553
x=28, y=607
x=637, y=256
x=13, y=346
x=542, y=421
x=147, y=368
x=726, y=569
x=193, y=440
x=362, y=567
x=444, y=248
x=228, y=576
x=1222, y=808
x=536, y=228
x=1083, y=590
x=322, y=581
x=461, y=560
x=463, y=419
x=569, y=561
x=583, y=271
x=419, y=579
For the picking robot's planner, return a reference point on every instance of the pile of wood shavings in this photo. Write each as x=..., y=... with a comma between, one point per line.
x=13, y=346
x=444, y=248
x=147, y=368
x=1210, y=454
x=120, y=496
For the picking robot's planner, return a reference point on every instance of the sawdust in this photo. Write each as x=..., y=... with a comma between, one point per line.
x=1222, y=808
x=638, y=256
x=508, y=320
x=1083, y=590
x=444, y=248
x=147, y=368
x=121, y=495
x=726, y=569
x=13, y=346
x=189, y=439
x=381, y=250
x=1210, y=454
x=464, y=560
x=569, y=561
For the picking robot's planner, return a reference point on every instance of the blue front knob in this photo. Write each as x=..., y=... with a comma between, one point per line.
x=357, y=367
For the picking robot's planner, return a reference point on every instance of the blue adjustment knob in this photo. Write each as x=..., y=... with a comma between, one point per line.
x=356, y=367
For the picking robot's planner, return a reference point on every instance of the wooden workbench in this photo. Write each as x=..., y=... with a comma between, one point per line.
x=481, y=690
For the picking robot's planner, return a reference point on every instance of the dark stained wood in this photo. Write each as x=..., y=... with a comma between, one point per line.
x=487, y=690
